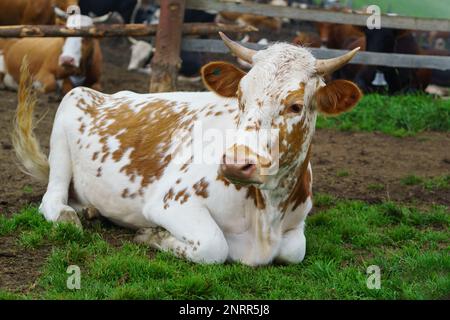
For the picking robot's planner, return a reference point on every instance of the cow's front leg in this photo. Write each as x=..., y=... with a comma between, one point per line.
x=189, y=233
x=293, y=246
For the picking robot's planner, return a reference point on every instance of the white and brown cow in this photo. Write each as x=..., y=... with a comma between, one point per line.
x=121, y=154
x=55, y=62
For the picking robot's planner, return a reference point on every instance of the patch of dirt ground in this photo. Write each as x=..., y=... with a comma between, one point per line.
x=19, y=268
x=367, y=166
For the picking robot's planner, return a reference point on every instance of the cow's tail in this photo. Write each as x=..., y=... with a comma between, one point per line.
x=28, y=150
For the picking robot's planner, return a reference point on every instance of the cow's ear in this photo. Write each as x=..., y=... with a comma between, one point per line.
x=337, y=97
x=222, y=78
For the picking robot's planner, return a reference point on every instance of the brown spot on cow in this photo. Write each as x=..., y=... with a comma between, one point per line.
x=82, y=128
x=256, y=195
x=302, y=188
x=169, y=195
x=220, y=177
x=125, y=193
x=182, y=196
x=293, y=97
x=201, y=188
x=145, y=132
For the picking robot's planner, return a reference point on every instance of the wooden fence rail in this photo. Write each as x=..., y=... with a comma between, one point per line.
x=396, y=22
x=364, y=57
x=115, y=30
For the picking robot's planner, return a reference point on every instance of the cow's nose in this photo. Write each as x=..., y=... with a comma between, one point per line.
x=237, y=170
x=67, y=61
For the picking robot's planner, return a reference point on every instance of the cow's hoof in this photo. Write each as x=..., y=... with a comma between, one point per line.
x=151, y=236
x=90, y=213
x=70, y=217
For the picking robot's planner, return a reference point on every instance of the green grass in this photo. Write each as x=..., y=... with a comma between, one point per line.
x=435, y=183
x=375, y=187
x=345, y=237
x=27, y=189
x=404, y=115
x=411, y=180
x=342, y=173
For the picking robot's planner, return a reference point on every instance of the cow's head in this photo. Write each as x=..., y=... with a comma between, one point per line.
x=76, y=49
x=141, y=52
x=324, y=30
x=282, y=93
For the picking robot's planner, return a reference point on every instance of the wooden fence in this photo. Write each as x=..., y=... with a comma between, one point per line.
x=363, y=57
x=387, y=21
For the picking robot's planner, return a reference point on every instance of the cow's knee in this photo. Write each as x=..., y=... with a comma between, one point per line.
x=211, y=250
x=293, y=247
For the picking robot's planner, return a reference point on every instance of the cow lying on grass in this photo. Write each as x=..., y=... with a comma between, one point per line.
x=124, y=154
x=55, y=63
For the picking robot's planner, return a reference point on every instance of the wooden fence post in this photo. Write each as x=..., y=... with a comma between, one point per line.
x=166, y=62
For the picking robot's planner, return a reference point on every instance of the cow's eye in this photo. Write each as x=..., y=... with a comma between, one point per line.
x=295, y=108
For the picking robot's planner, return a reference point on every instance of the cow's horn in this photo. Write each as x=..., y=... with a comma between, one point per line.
x=102, y=18
x=240, y=51
x=60, y=13
x=132, y=40
x=328, y=66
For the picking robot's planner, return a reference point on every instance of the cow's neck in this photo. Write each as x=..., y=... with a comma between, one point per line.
x=86, y=60
x=292, y=190
x=271, y=207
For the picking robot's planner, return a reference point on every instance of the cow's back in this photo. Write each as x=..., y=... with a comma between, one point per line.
x=14, y=12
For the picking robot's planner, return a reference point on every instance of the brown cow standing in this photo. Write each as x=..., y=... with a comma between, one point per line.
x=56, y=62
x=45, y=68
x=17, y=12
x=343, y=37
x=307, y=39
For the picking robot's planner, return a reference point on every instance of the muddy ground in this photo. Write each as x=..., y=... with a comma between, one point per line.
x=367, y=166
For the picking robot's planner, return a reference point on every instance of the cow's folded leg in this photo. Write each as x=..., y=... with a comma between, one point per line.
x=293, y=246
x=190, y=233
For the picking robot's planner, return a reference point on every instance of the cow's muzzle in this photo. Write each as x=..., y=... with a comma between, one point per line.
x=241, y=167
x=68, y=61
